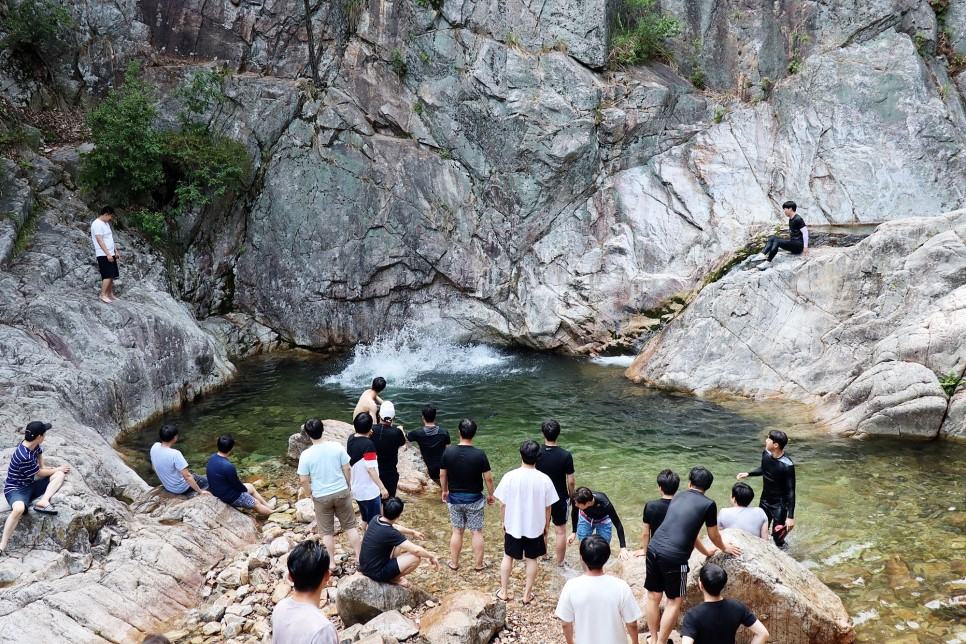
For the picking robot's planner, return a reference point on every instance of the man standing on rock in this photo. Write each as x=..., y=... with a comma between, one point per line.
x=716, y=621
x=388, y=556
x=432, y=441
x=171, y=467
x=325, y=478
x=223, y=482
x=463, y=471
x=558, y=464
x=668, y=551
x=655, y=511
x=597, y=607
x=298, y=619
x=29, y=479
x=367, y=488
x=526, y=495
x=106, y=253
x=389, y=440
x=778, y=493
x=369, y=401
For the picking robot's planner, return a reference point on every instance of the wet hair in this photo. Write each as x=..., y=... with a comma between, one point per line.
x=778, y=436
x=790, y=204
x=701, y=478
x=307, y=564
x=362, y=422
x=226, y=443
x=155, y=639
x=378, y=384
x=392, y=508
x=550, y=429
x=314, y=428
x=668, y=481
x=107, y=210
x=713, y=577
x=167, y=433
x=467, y=428
x=529, y=452
x=429, y=413
x=583, y=495
x=594, y=551
x=743, y=494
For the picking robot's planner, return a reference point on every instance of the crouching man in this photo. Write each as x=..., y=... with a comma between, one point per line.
x=387, y=555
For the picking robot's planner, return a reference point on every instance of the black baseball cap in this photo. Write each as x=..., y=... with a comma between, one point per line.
x=34, y=429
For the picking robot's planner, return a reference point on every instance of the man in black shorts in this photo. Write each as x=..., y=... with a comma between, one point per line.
x=668, y=551
x=388, y=441
x=655, y=511
x=716, y=621
x=387, y=555
x=104, y=250
x=778, y=492
x=558, y=464
x=432, y=441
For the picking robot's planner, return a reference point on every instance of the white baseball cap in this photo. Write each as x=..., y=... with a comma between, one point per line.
x=387, y=410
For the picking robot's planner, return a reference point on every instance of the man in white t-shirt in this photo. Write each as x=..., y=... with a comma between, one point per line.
x=751, y=520
x=596, y=607
x=297, y=619
x=325, y=478
x=526, y=495
x=103, y=238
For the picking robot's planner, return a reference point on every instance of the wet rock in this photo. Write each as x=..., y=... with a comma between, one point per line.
x=360, y=599
x=464, y=616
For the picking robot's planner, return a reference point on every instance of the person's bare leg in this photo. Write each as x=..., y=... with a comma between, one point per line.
x=105, y=290
x=56, y=480
x=110, y=288
x=407, y=563
x=560, y=542
x=11, y=523
x=531, y=577
x=455, y=546
x=328, y=540
x=258, y=497
x=355, y=541
x=478, y=548
x=652, y=612
x=670, y=617
x=506, y=566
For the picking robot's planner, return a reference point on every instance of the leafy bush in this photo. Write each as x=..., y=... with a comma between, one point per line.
x=30, y=25
x=209, y=166
x=951, y=382
x=642, y=33
x=151, y=223
x=201, y=93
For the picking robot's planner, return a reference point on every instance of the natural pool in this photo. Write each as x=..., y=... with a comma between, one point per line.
x=881, y=522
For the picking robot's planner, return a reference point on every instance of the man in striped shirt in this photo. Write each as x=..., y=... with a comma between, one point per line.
x=28, y=479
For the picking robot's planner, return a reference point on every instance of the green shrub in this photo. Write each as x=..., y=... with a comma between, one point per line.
x=209, y=166
x=151, y=223
x=641, y=35
x=200, y=93
x=698, y=78
x=30, y=25
x=951, y=382
x=398, y=63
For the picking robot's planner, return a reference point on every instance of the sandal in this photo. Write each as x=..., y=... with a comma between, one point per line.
x=527, y=602
x=47, y=509
x=452, y=566
x=497, y=595
x=764, y=266
x=485, y=566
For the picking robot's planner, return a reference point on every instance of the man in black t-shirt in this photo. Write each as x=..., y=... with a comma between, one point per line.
x=387, y=555
x=462, y=472
x=432, y=441
x=670, y=547
x=797, y=242
x=388, y=440
x=558, y=464
x=655, y=511
x=716, y=621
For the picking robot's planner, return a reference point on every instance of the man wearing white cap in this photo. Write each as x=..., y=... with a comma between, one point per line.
x=389, y=440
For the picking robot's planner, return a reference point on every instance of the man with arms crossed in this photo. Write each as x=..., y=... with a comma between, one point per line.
x=432, y=441
x=666, y=566
x=596, y=607
x=716, y=621
x=369, y=401
x=751, y=520
x=297, y=619
x=558, y=464
x=778, y=493
x=462, y=472
x=367, y=488
x=105, y=252
x=171, y=468
x=526, y=495
x=655, y=511
x=387, y=556
x=325, y=478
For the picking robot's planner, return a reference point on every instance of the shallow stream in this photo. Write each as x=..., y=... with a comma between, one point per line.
x=881, y=522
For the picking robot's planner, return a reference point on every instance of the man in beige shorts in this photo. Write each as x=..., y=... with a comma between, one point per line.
x=324, y=475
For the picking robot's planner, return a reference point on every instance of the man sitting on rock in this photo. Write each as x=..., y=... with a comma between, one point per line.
x=28, y=479
x=387, y=556
x=171, y=467
x=224, y=483
x=751, y=520
x=716, y=621
x=297, y=619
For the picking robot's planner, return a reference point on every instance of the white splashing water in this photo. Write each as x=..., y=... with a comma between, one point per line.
x=412, y=358
x=613, y=361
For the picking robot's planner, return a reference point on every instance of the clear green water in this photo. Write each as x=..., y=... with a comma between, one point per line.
x=880, y=521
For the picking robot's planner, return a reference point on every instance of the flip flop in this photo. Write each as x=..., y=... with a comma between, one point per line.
x=47, y=509
x=502, y=599
x=451, y=566
x=527, y=602
x=481, y=568
x=273, y=502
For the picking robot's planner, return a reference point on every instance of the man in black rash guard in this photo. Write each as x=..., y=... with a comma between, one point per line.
x=797, y=242
x=593, y=512
x=778, y=492
x=668, y=551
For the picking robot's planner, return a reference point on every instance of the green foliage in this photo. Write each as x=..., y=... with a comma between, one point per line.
x=445, y=154
x=698, y=78
x=642, y=35
x=198, y=95
x=398, y=63
x=30, y=25
x=151, y=223
x=719, y=114
x=19, y=138
x=919, y=40
x=944, y=90
x=795, y=65
x=418, y=108
x=951, y=382
x=511, y=40
x=424, y=57
x=209, y=166
x=766, y=85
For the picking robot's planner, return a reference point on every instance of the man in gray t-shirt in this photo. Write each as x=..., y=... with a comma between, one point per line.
x=172, y=468
x=751, y=520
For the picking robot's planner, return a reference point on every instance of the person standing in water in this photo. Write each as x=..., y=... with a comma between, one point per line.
x=778, y=492
x=797, y=242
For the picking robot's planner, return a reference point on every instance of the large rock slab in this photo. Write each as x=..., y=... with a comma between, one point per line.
x=360, y=599
x=465, y=616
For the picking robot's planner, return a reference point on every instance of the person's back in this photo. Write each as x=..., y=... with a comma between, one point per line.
x=717, y=620
x=688, y=511
x=750, y=520
x=526, y=493
x=556, y=463
x=323, y=464
x=432, y=441
x=465, y=465
x=222, y=478
x=388, y=440
x=168, y=463
x=377, y=546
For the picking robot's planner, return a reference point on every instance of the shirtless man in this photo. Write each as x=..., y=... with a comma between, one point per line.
x=369, y=401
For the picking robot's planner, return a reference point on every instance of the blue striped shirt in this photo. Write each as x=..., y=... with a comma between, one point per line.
x=23, y=468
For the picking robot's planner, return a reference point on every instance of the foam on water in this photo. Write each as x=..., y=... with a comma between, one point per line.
x=613, y=361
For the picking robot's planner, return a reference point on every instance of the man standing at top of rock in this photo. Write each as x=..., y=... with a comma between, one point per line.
x=298, y=619
x=797, y=242
x=367, y=487
x=106, y=253
x=388, y=440
x=526, y=495
x=778, y=493
x=462, y=473
x=716, y=621
x=369, y=401
x=325, y=478
x=558, y=464
x=668, y=551
x=171, y=467
x=432, y=441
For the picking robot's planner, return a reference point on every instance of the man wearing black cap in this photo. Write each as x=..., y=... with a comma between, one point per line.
x=28, y=479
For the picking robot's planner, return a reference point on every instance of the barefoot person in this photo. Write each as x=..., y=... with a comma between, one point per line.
x=668, y=551
x=558, y=464
x=387, y=555
x=28, y=479
x=716, y=621
x=297, y=619
x=223, y=482
x=105, y=252
x=778, y=493
x=594, y=513
x=463, y=471
x=655, y=511
x=369, y=401
x=797, y=242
